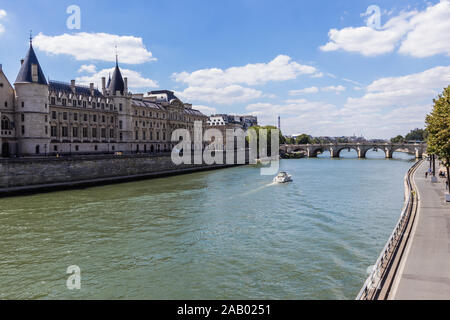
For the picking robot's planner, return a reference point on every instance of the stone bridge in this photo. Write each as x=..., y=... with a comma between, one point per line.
x=312, y=150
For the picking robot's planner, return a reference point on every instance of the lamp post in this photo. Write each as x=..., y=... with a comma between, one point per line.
x=433, y=178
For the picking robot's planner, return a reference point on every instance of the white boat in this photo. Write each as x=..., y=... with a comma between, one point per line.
x=282, y=177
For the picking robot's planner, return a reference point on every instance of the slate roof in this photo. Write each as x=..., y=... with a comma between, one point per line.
x=66, y=87
x=117, y=83
x=25, y=70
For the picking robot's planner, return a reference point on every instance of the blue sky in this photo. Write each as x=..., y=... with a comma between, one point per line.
x=316, y=64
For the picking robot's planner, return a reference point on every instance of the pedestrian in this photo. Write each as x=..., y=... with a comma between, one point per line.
x=426, y=174
x=446, y=184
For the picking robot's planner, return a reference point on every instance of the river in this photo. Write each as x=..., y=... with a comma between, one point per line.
x=224, y=234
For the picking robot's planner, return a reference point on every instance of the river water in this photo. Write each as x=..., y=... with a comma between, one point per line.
x=224, y=234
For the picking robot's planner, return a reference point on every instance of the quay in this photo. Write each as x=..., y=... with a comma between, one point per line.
x=415, y=263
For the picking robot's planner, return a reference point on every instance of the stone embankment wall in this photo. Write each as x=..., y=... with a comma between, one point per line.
x=36, y=174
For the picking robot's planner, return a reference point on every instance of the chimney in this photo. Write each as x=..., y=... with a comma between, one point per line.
x=21, y=61
x=103, y=85
x=125, y=80
x=91, y=86
x=72, y=85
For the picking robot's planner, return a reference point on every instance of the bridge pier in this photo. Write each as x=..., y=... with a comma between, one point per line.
x=388, y=153
x=361, y=153
x=419, y=154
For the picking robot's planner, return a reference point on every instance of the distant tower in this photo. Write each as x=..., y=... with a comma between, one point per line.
x=279, y=123
x=32, y=110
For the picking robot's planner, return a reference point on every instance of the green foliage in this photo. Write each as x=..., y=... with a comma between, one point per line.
x=398, y=139
x=438, y=128
x=416, y=135
x=303, y=139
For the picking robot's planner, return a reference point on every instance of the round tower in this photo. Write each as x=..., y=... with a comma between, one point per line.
x=31, y=108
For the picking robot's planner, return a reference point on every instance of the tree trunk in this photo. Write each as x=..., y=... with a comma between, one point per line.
x=448, y=178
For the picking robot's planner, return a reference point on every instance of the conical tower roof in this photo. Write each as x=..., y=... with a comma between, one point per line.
x=117, y=83
x=25, y=70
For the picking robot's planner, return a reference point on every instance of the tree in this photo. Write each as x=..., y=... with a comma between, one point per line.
x=303, y=139
x=269, y=135
x=398, y=139
x=438, y=128
x=416, y=135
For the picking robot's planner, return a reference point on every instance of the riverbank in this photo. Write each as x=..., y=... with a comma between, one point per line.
x=33, y=175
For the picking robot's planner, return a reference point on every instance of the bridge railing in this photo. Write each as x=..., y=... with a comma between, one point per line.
x=373, y=283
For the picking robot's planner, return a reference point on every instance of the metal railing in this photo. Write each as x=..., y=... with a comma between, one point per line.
x=373, y=283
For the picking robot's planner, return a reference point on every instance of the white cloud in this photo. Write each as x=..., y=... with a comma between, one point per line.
x=205, y=109
x=135, y=79
x=336, y=89
x=431, y=32
x=95, y=46
x=368, y=41
x=418, y=33
x=388, y=107
x=303, y=91
x=226, y=95
x=309, y=90
x=2, y=15
x=279, y=69
x=88, y=68
x=402, y=91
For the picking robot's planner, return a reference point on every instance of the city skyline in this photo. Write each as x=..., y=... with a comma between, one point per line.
x=323, y=70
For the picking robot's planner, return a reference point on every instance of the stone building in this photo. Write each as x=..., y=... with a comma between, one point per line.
x=40, y=117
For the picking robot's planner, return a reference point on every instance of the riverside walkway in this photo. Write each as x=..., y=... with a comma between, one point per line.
x=424, y=270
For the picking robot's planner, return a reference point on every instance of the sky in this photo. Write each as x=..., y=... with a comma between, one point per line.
x=327, y=68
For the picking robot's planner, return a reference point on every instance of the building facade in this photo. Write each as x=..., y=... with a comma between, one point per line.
x=40, y=117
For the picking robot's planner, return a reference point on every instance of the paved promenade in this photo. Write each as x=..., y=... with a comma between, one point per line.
x=424, y=272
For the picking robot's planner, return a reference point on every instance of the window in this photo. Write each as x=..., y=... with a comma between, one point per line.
x=151, y=135
x=94, y=132
x=23, y=129
x=23, y=104
x=46, y=129
x=64, y=132
x=157, y=136
x=103, y=132
x=93, y=105
x=77, y=148
x=120, y=136
x=55, y=148
x=94, y=118
x=85, y=132
x=22, y=117
x=46, y=118
x=120, y=124
x=85, y=117
x=53, y=131
x=75, y=132
x=64, y=102
x=74, y=103
x=6, y=104
x=164, y=136
x=64, y=115
x=53, y=114
x=120, y=107
x=111, y=133
x=52, y=101
x=143, y=135
x=112, y=119
x=6, y=124
x=137, y=135
x=84, y=104
x=95, y=148
x=103, y=118
x=75, y=116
